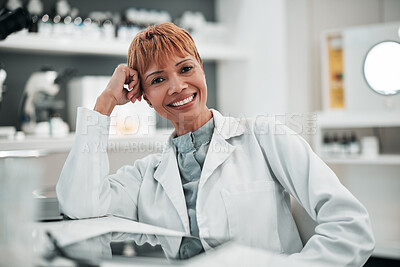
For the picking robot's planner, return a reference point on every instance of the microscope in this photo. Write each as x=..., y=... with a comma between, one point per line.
x=13, y=21
x=39, y=105
x=3, y=76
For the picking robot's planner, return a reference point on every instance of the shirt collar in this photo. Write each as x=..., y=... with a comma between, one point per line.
x=193, y=140
x=226, y=127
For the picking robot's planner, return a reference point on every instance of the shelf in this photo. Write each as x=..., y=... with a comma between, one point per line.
x=32, y=43
x=379, y=160
x=64, y=144
x=343, y=119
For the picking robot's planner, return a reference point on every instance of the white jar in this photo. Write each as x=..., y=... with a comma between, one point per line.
x=369, y=146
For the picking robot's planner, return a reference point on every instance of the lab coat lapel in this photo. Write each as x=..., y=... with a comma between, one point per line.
x=220, y=149
x=167, y=174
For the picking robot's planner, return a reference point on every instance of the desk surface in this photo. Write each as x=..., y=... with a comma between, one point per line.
x=71, y=231
x=229, y=254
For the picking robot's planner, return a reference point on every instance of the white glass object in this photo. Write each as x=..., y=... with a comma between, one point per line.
x=382, y=68
x=19, y=174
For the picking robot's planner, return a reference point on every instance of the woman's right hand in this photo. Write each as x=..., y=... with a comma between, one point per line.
x=115, y=94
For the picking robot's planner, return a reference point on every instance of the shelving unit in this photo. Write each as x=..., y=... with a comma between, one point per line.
x=350, y=106
x=334, y=120
x=373, y=180
x=343, y=119
x=359, y=160
x=33, y=43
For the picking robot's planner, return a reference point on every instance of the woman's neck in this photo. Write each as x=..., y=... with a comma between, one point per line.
x=192, y=124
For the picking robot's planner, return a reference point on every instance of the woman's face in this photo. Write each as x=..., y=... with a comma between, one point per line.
x=178, y=90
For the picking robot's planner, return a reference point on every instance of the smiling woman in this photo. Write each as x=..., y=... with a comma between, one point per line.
x=173, y=79
x=218, y=177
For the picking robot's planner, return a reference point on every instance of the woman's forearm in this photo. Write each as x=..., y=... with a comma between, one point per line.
x=105, y=104
x=79, y=189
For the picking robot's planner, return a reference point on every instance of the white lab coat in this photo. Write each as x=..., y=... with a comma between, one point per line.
x=251, y=167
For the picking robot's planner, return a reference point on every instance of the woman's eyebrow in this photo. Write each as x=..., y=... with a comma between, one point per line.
x=177, y=64
x=156, y=72
x=160, y=71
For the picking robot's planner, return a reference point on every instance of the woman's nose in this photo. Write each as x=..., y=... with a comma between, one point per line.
x=176, y=84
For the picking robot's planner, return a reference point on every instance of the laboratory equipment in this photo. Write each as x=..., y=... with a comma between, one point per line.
x=347, y=145
x=46, y=203
x=35, y=8
x=3, y=76
x=14, y=21
x=38, y=114
x=19, y=175
x=370, y=146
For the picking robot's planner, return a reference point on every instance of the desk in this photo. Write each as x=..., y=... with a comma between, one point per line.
x=71, y=231
x=228, y=254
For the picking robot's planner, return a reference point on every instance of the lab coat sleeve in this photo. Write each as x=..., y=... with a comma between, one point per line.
x=85, y=188
x=343, y=234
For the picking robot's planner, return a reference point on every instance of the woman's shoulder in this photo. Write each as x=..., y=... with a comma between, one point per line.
x=260, y=122
x=148, y=161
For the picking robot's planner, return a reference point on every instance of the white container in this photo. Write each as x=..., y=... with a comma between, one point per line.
x=19, y=175
x=7, y=132
x=369, y=146
x=128, y=119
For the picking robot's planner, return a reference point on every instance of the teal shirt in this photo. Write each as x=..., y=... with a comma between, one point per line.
x=191, y=153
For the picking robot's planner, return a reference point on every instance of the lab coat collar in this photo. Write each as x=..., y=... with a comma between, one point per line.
x=167, y=172
x=220, y=149
x=227, y=127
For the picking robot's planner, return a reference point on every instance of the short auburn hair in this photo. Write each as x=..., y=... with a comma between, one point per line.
x=157, y=44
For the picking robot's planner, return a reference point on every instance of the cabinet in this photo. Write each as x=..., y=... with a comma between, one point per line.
x=344, y=86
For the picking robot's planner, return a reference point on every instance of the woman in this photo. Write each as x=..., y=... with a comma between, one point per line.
x=218, y=176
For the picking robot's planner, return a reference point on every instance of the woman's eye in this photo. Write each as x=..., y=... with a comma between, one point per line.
x=186, y=69
x=157, y=80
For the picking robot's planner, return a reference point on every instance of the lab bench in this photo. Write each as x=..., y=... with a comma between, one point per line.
x=50, y=153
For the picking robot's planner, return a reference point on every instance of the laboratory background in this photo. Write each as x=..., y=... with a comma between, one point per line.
x=328, y=69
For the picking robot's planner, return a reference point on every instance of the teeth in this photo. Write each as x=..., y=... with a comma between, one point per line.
x=183, y=102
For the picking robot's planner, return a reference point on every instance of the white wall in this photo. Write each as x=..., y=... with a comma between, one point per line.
x=299, y=55
x=258, y=85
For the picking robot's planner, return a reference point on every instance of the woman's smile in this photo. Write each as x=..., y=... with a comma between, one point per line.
x=186, y=102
